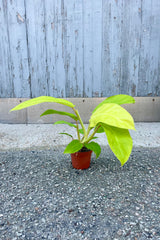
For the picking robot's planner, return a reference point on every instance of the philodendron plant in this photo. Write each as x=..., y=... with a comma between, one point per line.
x=108, y=117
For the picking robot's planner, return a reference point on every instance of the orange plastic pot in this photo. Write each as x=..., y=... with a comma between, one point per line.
x=81, y=160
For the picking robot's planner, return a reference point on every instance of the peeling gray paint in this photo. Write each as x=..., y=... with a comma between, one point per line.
x=73, y=48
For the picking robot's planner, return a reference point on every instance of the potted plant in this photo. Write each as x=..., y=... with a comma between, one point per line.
x=108, y=117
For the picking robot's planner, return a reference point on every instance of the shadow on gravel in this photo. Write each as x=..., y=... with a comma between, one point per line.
x=43, y=197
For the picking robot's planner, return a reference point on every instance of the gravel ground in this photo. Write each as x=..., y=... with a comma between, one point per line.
x=43, y=197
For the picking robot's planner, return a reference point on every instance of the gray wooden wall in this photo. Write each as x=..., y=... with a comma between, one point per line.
x=79, y=48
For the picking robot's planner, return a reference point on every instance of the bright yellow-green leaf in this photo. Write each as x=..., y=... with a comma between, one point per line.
x=42, y=99
x=94, y=137
x=112, y=114
x=64, y=122
x=118, y=99
x=119, y=141
x=100, y=130
x=81, y=131
x=52, y=111
x=67, y=134
x=73, y=147
x=94, y=147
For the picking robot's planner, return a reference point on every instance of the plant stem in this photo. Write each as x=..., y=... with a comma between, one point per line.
x=78, y=131
x=86, y=136
x=81, y=122
x=91, y=136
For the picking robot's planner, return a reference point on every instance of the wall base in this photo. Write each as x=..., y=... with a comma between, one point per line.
x=146, y=109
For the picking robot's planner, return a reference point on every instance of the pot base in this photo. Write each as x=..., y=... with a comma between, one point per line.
x=81, y=160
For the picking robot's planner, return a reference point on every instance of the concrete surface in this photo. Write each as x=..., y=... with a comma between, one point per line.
x=21, y=136
x=43, y=197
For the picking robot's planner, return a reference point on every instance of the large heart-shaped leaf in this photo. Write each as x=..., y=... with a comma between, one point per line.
x=42, y=99
x=52, y=111
x=118, y=99
x=112, y=114
x=119, y=141
x=73, y=147
x=94, y=147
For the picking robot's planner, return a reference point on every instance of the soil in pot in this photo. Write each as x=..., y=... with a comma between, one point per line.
x=81, y=159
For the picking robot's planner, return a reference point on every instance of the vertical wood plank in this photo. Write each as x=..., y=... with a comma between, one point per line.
x=5, y=78
x=97, y=47
x=70, y=83
x=50, y=26
x=130, y=46
x=14, y=13
x=36, y=37
x=111, y=16
x=88, y=48
x=77, y=40
x=60, y=47
x=149, y=71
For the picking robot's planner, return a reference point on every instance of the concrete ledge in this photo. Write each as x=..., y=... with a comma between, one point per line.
x=44, y=136
x=146, y=109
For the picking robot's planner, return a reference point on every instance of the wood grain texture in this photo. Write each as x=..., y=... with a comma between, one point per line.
x=78, y=48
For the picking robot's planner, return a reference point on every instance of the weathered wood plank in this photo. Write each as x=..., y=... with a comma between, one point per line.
x=60, y=47
x=18, y=49
x=13, y=48
x=130, y=46
x=77, y=40
x=70, y=53
x=149, y=71
x=97, y=47
x=49, y=23
x=111, y=47
x=5, y=78
x=88, y=48
x=36, y=38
